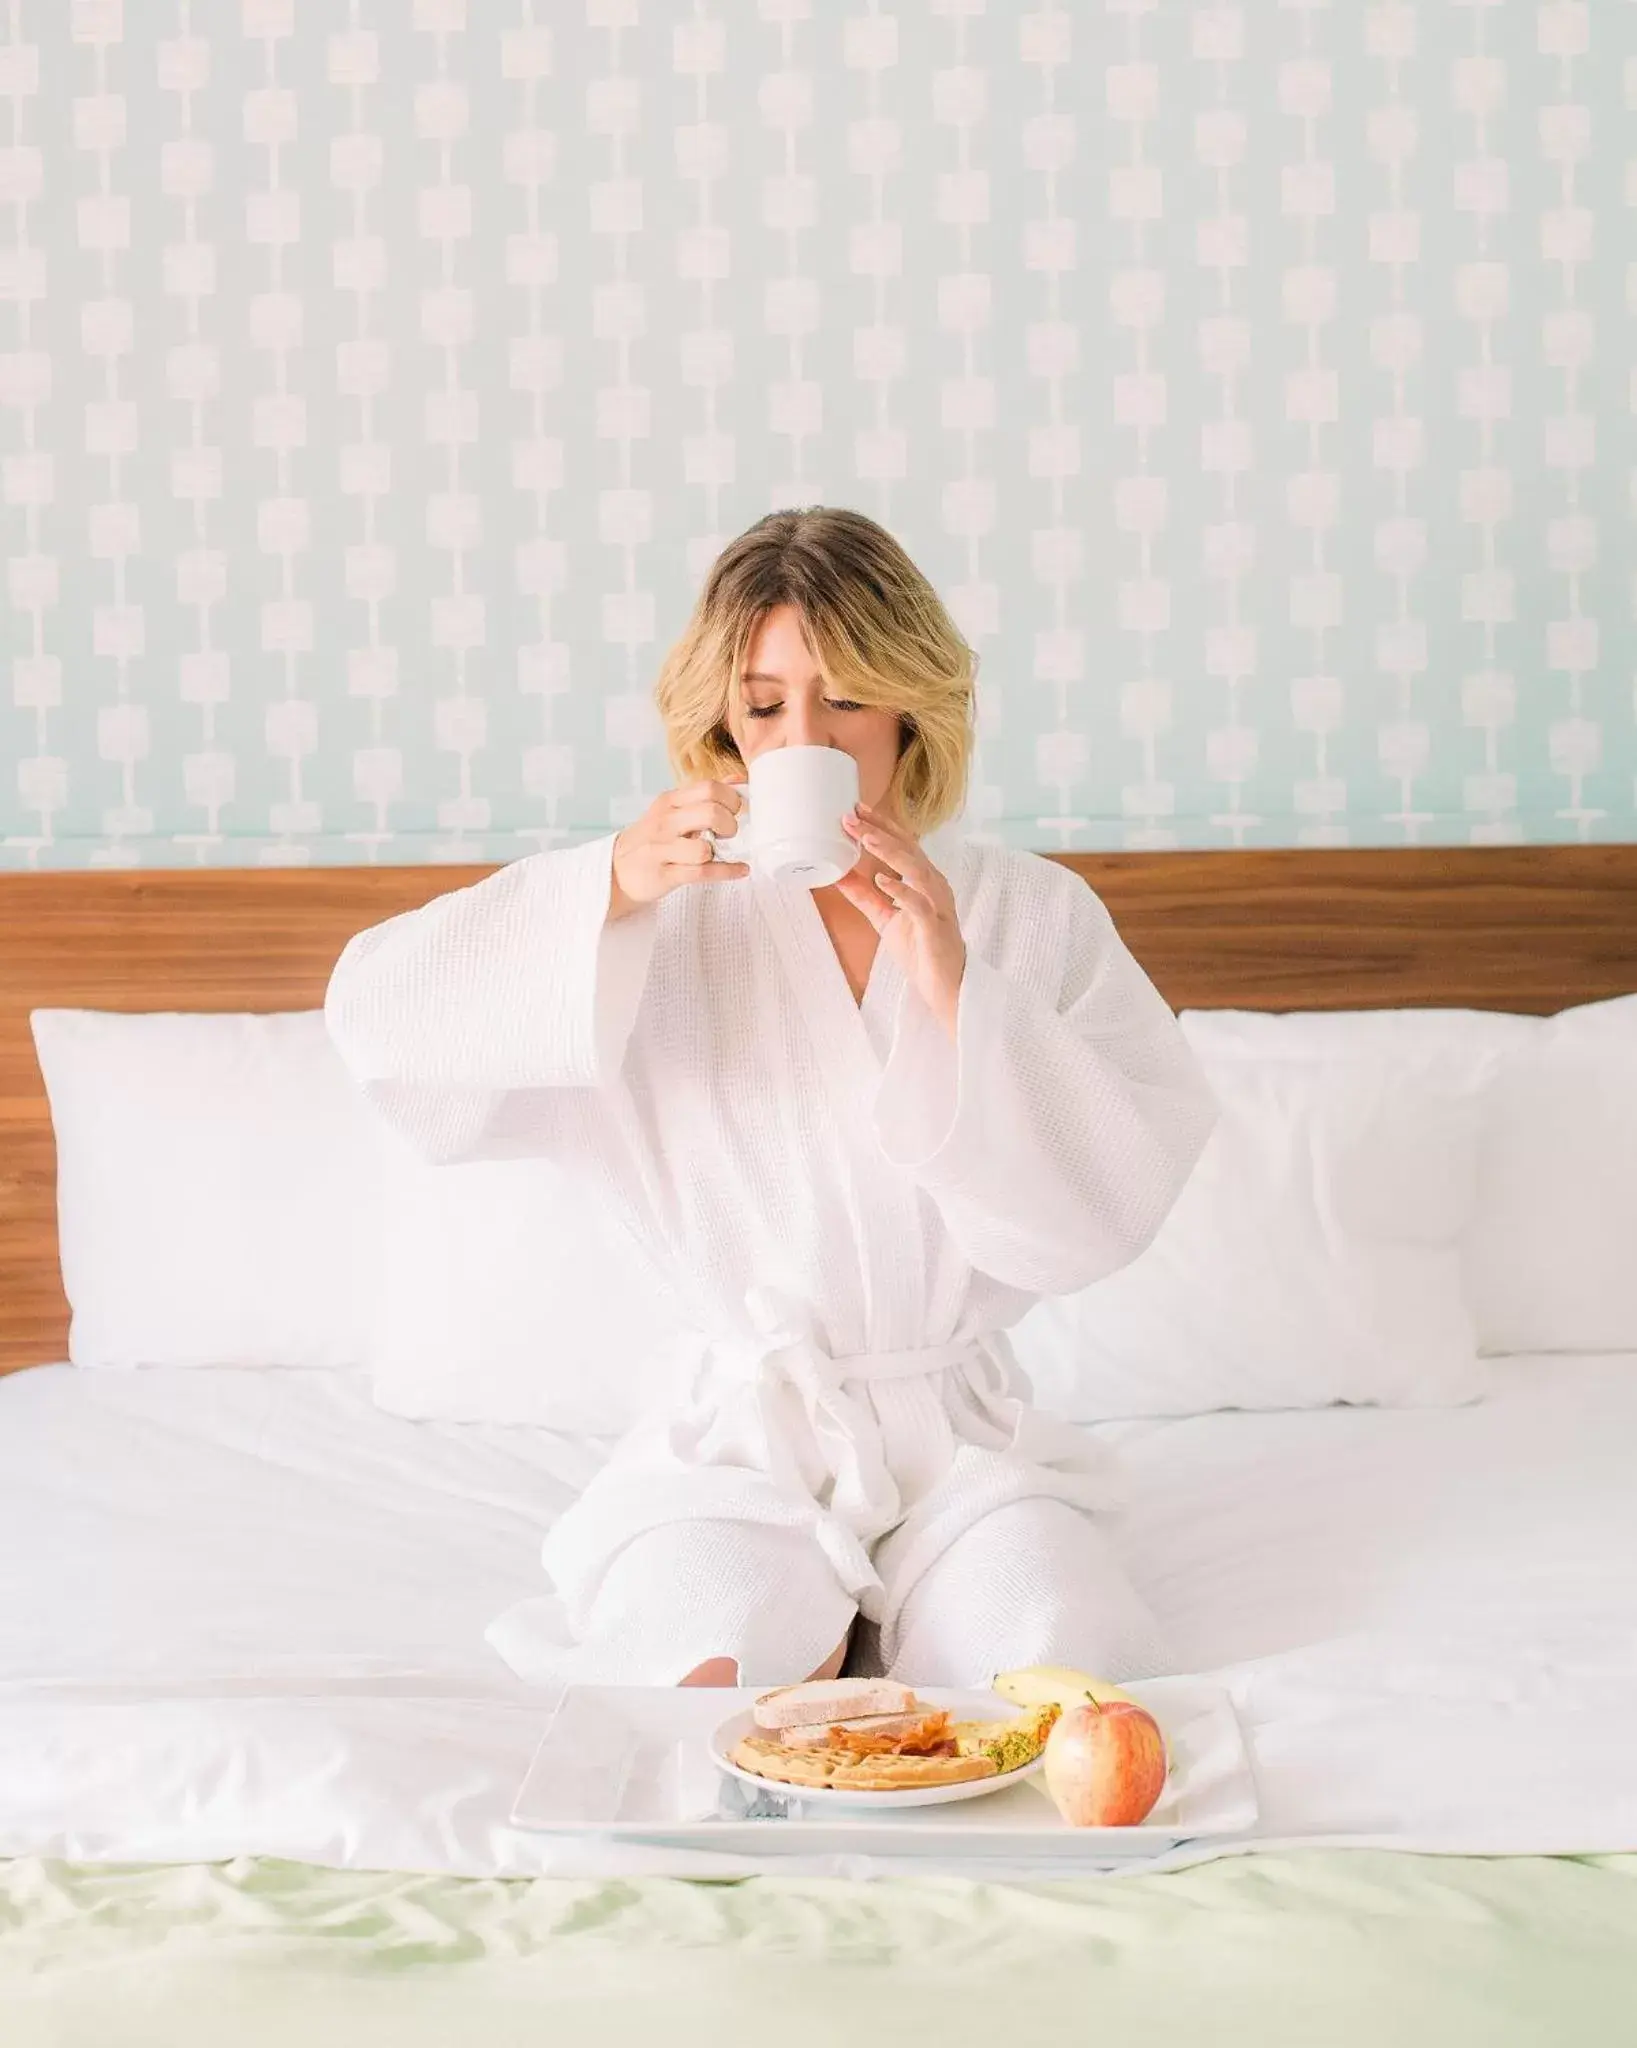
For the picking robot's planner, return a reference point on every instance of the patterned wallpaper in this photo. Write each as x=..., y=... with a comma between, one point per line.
x=378, y=377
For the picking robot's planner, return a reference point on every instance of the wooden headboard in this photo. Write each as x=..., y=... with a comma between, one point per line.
x=1514, y=928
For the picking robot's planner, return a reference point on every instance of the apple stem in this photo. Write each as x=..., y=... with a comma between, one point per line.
x=1095, y=1701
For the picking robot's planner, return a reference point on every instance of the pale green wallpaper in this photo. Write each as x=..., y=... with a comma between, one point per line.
x=377, y=378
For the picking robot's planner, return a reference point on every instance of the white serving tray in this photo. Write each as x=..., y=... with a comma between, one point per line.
x=635, y=1763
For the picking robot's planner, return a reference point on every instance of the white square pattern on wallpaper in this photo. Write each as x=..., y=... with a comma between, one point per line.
x=378, y=377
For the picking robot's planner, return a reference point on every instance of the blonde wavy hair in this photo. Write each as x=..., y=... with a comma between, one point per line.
x=878, y=633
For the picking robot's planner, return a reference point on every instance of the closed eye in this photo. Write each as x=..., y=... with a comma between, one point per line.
x=772, y=710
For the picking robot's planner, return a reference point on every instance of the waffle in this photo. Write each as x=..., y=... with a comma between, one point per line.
x=841, y=1769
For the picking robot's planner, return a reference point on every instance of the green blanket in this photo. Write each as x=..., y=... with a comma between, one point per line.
x=1327, y=1949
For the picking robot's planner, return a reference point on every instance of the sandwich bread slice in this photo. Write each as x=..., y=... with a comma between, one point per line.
x=823, y=1702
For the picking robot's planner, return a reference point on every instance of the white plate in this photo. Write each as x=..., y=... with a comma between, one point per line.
x=817, y=1799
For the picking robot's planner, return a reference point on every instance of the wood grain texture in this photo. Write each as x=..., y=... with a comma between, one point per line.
x=1532, y=928
x=1514, y=928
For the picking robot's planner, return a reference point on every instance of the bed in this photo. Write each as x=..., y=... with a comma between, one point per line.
x=255, y=1760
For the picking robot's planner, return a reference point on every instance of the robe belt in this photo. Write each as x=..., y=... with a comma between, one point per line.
x=786, y=1345
x=787, y=1349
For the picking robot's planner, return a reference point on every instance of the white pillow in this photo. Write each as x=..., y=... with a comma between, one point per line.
x=1314, y=1255
x=504, y=1293
x=1547, y=1256
x=1445, y=1047
x=1552, y=1254
x=214, y=1188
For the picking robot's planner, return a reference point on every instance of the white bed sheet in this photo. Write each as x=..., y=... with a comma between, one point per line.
x=242, y=1613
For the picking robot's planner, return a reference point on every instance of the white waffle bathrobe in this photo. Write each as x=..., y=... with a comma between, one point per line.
x=851, y=1208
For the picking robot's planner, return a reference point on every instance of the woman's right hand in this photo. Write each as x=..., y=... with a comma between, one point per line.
x=664, y=849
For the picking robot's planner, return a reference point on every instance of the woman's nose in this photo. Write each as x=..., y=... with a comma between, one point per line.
x=804, y=725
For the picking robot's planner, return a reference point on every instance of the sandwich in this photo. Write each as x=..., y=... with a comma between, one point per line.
x=823, y=1702
x=917, y=1733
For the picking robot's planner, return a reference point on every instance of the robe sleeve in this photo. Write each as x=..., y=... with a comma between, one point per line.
x=465, y=1021
x=1054, y=1136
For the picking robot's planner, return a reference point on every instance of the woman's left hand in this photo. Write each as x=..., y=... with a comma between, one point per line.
x=912, y=906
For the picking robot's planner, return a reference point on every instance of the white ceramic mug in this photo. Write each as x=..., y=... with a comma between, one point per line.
x=790, y=825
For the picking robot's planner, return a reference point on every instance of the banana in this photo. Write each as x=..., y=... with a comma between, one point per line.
x=1054, y=1685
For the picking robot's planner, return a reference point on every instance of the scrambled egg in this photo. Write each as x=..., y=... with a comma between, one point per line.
x=1011, y=1744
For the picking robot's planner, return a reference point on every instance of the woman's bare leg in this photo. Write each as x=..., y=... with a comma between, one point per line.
x=831, y=1667
x=725, y=1670
x=714, y=1671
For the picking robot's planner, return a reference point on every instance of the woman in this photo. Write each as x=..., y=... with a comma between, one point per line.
x=858, y=1129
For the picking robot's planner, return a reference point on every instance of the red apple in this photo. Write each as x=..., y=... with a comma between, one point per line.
x=1105, y=1766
